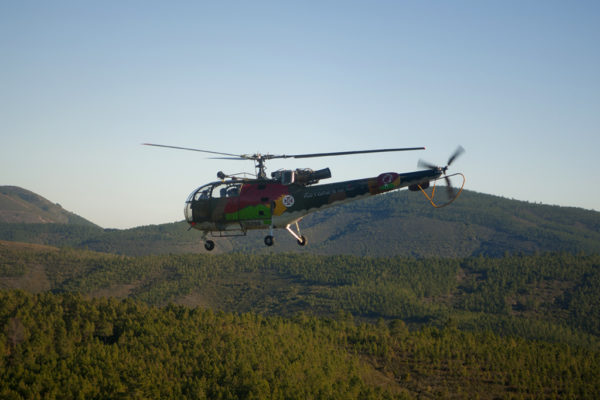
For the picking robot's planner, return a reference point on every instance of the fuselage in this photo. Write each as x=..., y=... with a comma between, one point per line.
x=235, y=205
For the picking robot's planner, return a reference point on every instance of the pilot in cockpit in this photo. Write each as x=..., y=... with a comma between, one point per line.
x=204, y=195
x=233, y=191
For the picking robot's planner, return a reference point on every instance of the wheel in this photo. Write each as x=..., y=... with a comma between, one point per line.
x=269, y=240
x=302, y=241
x=209, y=245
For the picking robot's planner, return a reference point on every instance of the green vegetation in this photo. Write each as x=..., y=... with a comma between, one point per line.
x=489, y=298
x=64, y=346
x=57, y=346
x=402, y=223
x=550, y=297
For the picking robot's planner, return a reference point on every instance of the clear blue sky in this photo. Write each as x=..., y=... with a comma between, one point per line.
x=82, y=84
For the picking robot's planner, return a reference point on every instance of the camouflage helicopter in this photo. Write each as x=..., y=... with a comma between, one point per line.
x=233, y=205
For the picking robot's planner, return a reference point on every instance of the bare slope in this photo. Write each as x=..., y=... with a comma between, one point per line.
x=18, y=205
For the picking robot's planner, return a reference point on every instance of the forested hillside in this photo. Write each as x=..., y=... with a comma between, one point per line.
x=400, y=223
x=297, y=326
x=64, y=346
x=489, y=298
x=552, y=297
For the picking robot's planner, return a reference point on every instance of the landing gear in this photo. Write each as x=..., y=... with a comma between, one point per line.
x=209, y=245
x=269, y=240
x=302, y=241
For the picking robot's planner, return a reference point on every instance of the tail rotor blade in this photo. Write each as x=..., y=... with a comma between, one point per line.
x=456, y=154
x=449, y=188
x=425, y=164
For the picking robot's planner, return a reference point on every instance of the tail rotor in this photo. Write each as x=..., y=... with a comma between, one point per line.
x=451, y=192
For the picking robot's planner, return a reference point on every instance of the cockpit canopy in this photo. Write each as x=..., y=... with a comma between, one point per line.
x=219, y=189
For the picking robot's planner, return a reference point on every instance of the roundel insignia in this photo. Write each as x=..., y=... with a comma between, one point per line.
x=387, y=178
x=288, y=200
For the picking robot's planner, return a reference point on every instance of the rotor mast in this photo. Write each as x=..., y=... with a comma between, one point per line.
x=260, y=167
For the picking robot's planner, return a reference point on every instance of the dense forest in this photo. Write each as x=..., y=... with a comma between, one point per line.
x=66, y=346
x=297, y=326
x=490, y=298
x=535, y=296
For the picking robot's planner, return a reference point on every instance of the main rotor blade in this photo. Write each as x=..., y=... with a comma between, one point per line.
x=272, y=156
x=237, y=156
x=342, y=153
x=455, y=155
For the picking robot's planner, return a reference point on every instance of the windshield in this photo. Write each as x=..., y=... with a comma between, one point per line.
x=203, y=192
x=226, y=189
x=215, y=190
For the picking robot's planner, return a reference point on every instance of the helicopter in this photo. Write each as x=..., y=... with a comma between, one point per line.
x=233, y=205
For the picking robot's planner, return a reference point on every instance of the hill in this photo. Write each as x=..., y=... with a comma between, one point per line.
x=297, y=325
x=399, y=223
x=500, y=317
x=551, y=296
x=21, y=206
x=66, y=346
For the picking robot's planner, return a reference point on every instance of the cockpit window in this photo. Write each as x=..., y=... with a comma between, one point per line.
x=203, y=193
x=226, y=189
x=215, y=190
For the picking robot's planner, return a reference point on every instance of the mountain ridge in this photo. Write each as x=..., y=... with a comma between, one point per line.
x=18, y=205
x=398, y=223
